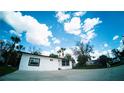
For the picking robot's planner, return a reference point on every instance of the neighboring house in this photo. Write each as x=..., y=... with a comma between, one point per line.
x=31, y=62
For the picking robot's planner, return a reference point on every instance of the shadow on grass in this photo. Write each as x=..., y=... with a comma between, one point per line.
x=6, y=70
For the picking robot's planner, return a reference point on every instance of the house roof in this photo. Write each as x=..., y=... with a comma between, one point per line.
x=39, y=55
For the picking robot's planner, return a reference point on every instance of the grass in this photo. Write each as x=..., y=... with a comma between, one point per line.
x=117, y=64
x=90, y=67
x=100, y=66
x=6, y=70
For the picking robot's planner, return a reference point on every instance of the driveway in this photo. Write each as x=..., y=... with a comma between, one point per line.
x=107, y=74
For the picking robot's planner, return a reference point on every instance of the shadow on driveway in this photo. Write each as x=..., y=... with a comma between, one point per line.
x=107, y=74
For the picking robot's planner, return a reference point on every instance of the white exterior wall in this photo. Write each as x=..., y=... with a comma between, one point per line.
x=45, y=63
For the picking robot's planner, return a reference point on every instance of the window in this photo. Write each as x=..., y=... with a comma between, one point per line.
x=51, y=59
x=34, y=61
x=65, y=62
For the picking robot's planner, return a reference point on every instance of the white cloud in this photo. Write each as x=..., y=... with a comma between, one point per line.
x=52, y=51
x=81, y=13
x=46, y=53
x=56, y=41
x=13, y=32
x=115, y=37
x=98, y=53
x=36, y=33
x=90, y=34
x=120, y=41
x=89, y=23
x=88, y=29
x=85, y=38
x=69, y=51
x=105, y=45
x=57, y=48
x=73, y=27
x=121, y=46
x=62, y=16
x=5, y=40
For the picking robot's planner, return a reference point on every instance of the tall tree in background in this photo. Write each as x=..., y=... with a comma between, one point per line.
x=53, y=55
x=35, y=50
x=83, y=53
x=68, y=57
x=12, y=55
x=103, y=59
x=116, y=53
x=15, y=40
x=11, y=51
x=20, y=48
x=61, y=52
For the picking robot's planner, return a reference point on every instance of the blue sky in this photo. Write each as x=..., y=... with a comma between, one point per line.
x=51, y=30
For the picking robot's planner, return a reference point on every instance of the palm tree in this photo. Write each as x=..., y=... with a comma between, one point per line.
x=15, y=40
x=20, y=47
x=11, y=52
x=62, y=51
x=59, y=53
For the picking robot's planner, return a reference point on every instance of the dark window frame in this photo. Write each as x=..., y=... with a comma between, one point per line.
x=51, y=59
x=31, y=63
x=65, y=63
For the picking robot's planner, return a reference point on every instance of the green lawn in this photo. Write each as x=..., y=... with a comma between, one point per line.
x=6, y=70
x=100, y=66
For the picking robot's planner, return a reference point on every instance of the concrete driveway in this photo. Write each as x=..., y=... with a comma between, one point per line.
x=108, y=74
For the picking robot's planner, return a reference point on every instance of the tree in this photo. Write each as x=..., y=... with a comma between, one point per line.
x=116, y=53
x=1, y=44
x=20, y=48
x=122, y=53
x=15, y=40
x=61, y=52
x=35, y=51
x=53, y=55
x=10, y=51
x=103, y=59
x=83, y=53
x=1, y=53
x=68, y=57
x=4, y=50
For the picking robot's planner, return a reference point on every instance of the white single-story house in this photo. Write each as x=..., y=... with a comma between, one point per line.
x=31, y=62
